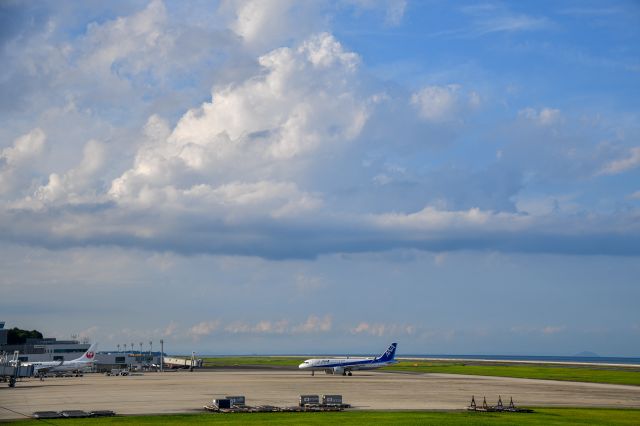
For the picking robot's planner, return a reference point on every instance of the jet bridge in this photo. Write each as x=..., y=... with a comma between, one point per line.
x=11, y=370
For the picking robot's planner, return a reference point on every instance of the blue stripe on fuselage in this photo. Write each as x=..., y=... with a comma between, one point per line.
x=345, y=364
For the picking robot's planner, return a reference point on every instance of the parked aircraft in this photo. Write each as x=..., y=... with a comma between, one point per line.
x=86, y=360
x=345, y=366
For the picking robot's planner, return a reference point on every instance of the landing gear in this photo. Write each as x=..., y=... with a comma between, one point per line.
x=349, y=373
x=344, y=373
x=313, y=373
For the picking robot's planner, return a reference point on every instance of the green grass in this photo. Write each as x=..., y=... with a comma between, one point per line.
x=621, y=376
x=541, y=416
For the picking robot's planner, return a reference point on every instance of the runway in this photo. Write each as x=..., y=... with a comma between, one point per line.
x=183, y=391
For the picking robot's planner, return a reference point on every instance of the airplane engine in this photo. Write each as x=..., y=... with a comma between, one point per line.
x=338, y=370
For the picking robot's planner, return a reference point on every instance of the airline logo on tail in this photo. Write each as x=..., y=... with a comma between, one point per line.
x=389, y=354
x=89, y=355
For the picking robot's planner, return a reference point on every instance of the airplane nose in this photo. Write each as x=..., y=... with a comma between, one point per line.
x=302, y=365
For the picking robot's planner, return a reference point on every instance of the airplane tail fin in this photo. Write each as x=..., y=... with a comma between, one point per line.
x=389, y=354
x=89, y=355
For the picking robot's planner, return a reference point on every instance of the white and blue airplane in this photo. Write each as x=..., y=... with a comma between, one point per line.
x=345, y=366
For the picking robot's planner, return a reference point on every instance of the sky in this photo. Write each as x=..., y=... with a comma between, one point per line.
x=272, y=177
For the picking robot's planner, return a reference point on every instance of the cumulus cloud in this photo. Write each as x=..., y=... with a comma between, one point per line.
x=314, y=324
x=436, y=103
x=262, y=24
x=261, y=327
x=264, y=129
x=170, y=329
x=15, y=161
x=203, y=328
x=431, y=218
x=88, y=333
x=442, y=104
x=542, y=117
x=288, y=158
x=380, y=329
x=73, y=185
x=304, y=98
x=622, y=165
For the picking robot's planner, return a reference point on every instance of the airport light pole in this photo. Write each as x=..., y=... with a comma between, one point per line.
x=161, y=355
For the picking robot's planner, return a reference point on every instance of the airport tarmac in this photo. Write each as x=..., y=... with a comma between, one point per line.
x=183, y=391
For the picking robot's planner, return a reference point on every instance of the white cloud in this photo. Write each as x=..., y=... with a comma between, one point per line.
x=314, y=324
x=73, y=186
x=395, y=12
x=434, y=219
x=89, y=333
x=16, y=160
x=262, y=22
x=380, y=329
x=437, y=103
x=170, y=329
x=24, y=148
x=543, y=117
x=203, y=328
x=303, y=98
x=261, y=131
x=618, y=166
x=129, y=44
x=448, y=103
x=261, y=327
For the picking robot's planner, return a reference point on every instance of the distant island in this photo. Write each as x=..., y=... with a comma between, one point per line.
x=588, y=354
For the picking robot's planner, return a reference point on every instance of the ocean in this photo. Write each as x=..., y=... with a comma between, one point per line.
x=590, y=359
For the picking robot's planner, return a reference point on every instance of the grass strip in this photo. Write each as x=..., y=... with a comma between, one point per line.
x=527, y=371
x=541, y=416
x=592, y=374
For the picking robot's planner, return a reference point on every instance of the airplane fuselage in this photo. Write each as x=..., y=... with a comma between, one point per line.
x=57, y=366
x=346, y=363
x=345, y=366
x=86, y=360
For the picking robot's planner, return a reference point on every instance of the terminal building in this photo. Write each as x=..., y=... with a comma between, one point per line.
x=52, y=349
x=46, y=349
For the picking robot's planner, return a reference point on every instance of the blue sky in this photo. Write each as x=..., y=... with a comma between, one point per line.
x=296, y=177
